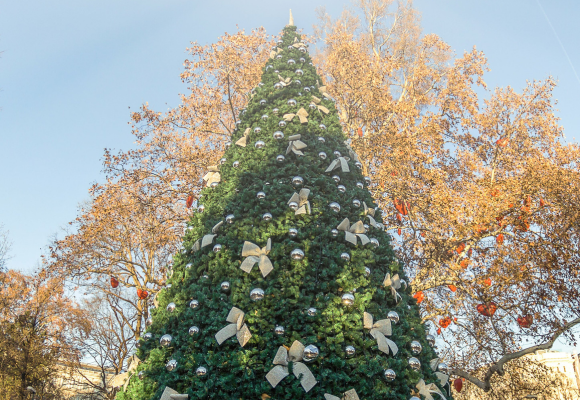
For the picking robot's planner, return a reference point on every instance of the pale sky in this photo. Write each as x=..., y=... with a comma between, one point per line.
x=70, y=69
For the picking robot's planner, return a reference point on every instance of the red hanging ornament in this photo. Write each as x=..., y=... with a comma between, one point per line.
x=439, y=331
x=502, y=142
x=542, y=203
x=189, y=201
x=453, y=288
x=360, y=132
x=458, y=384
x=114, y=282
x=399, y=218
x=491, y=308
x=419, y=296
x=142, y=294
x=469, y=252
x=464, y=263
x=487, y=310
x=499, y=239
x=444, y=322
x=525, y=321
x=487, y=282
x=460, y=248
x=399, y=231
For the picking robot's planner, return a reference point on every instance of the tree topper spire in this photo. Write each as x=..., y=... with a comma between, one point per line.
x=291, y=23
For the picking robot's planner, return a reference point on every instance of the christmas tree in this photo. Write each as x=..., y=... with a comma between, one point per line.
x=287, y=287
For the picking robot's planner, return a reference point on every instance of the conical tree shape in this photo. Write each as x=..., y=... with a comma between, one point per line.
x=285, y=252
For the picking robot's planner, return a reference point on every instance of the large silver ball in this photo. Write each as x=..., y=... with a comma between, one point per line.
x=260, y=144
x=280, y=158
x=345, y=256
x=389, y=375
x=260, y=195
x=165, y=340
x=223, y=160
x=299, y=72
x=367, y=180
x=375, y=242
x=334, y=206
x=416, y=347
x=201, y=372
x=257, y=129
x=291, y=102
x=291, y=62
x=227, y=145
x=236, y=164
x=393, y=316
x=347, y=299
x=312, y=106
x=367, y=271
x=349, y=351
x=321, y=139
x=302, y=60
x=336, y=178
x=431, y=340
x=279, y=330
x=356, y=203
x=275, y=111
x=341, y=188
x=334, y=232
x=194, y=304
x=194, y=330
x=282, y=124
x=414, y=363
x=278, y=86
x=297, y=82
x=278, y=57
x=322, y=155
x=443, y=367
x=312, y=312
x=217, y=248
x=322, y=126
x=414, y=398
x=170, y=307
x=358, y=164
x=297, y=254
x=360, y=185
x=293, y=205
x=337, y=153
x=257, y=294
x=292, y=232
x=264, y=117
x=297, y=181
x=267, y=217
x=230, y=218
x=171, y=365
x=225, y=286
x=213, y=185
x=278, y=135
x=302, y=49
x=310, y=353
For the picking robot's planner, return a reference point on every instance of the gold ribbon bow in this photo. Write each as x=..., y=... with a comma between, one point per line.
x=302, y=201
x=298, y=45
x=274, y=53
x=370, y=212
x=426, y=390
x=352, y=231
x=254, y=254
x=207, y=239
x=379, y=331
x=280, y=371
x=315, y=100
x=394, y=283
x=302, y=114
x=284, y=82
x=170, y=394
x=443, y=378
x=212, y=176
x=243, y=141
x=351, y=152
x=341, y=162
x=322, y=90
x=124, y=378
x=237, y=328
x=295, y=145
x=348, y=395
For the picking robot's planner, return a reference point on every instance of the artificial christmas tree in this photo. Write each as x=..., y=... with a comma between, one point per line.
x=287, y=287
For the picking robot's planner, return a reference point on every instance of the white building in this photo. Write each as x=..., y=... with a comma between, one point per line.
x=566, y=364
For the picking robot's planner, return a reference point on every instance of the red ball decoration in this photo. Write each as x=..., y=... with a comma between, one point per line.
x=458, y=384
x=189, y=201
x=114, y=282
x=525, y=321
x=487, y=309
x=445, y=322
x=143, y=294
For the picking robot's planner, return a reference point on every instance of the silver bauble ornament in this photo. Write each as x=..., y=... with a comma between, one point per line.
x=334, y=206
x=291, y=102
x=302, y=49
x=279, y=42
x=194, y=330
x=297, y=82
x=147, y=336
x=236, y=164
x=336, y=178
x=430, y=340
x=259, y=144
x=217, y=248
x=290, y=48
x=358, y=164
x=171, y=365
x=336, y=153
x=282, y=124
x=375, y=242
x=297, y=254
x=366, y=226
x=264, y=117
x=149, y=321
x=227, y=145
x=257, y=129
x=138, y=345
x=347, y=299
x=213, y=185
x=165, y=340
x=291, y=62
x=414, y=363
x=263, y=102
x=367, y=271
x=356, y=203
x=223, y=160
x=345, y=256
x=321, y=139
x=280, y=158
x=310, y=353
x=312, y=106
x=278, y=86
x=443, y=367
x=293, y=205
x=278, y=57
x=267, y=217
x=225, y=286
x=170, y=307
x=238, y=123
x=299, y=72
x=312, y=312
x=201, y=208
x=322, y=126
x=292, y=232
x=414, y=398
x=279, y=330
x=360, y=185
x=270, y=66
x=141, y=375
x=297, y=181
x=393, y=316
x=341, y=188
x=257, y=294
x=302, y=60
x=349, y=351
x=275, y=111
x=389, y=375
x=367, y=180
x=278, y=135
x=260, y=195
x=261, y=84
x=230, y=218
x=403, y=283
x=194, y=304
x=322, y=155
x=416, y=347
x=201, y=372
x=334, y=232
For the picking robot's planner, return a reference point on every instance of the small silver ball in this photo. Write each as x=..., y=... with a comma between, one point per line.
x=264, y=117
x=310, y=353
x=213, y=185
x=367, y=180
x=236, y=164
x=291, y=62
x=414, y=363
x=297, y=254
x=347, y=299
x=356, y=203
x=366, y=226
x=223, y=160
x=217, y=248
x=257, y=129
x=165, y=340
x=170, y=307
x=267, y=217
x=299, y=72
x=141, y=375
x=393, y=316
x=291, y=102
x=297, y=181
x=389, y=375
x=341, y=188
x=334, y=206
x=238, y=123
x=302, y=60
x=263, y=102
x=259, y=144
x=367, y=271
x=297, y=82
x=278, y=135
x=149, y=321
x=278, y=86
x=322, y=155
x=292, y=232
x=312, y=312
x=293, y=205
x=358, y=164
x=270, y=66
x=194, y=330
x=337, y=153
x=194, y=304
x=279, y=57
x=345, y=256
x=375, y=242
x=275, y=111
x=225, y=286
x=322, y=126
x=201, y=209
x=201, y=372
x=280, y=158
x=336, y=178
x=171, y=365
x=321, y=139
x=230, y=218
x=334, y=232
x=360, y=185
x=416, y=347
x=227, y=145
x=260, y=195
x=302, y=49
x=443, y=367
x=431, y=340
x=279, y=330
x=414, y=398
x=349, y=351
x=282, y=124
x=312, y=106
x=257, y=294
x=147, y=336
x=279, y=42
x=138, y=345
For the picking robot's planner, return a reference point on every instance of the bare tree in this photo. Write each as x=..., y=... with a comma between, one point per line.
x=5, y=246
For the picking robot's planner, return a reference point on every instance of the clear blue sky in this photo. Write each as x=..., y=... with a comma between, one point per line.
x=70, y=69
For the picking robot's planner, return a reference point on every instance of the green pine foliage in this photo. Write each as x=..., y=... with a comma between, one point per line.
x=317, y=281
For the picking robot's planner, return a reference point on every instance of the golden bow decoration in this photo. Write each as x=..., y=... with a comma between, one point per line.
x=394, y=283
x=284, y=82
x=315, y=100
x=170, y=394
x=348, y=395
x=212, y=176
x=298, y=45
x=323, y=109
x=379, y=331
x=302, y=114
x=352, y=231
x=340, y=162
x=274, y=53
x=280, y=371
x=443, y=378
x=369, y=210
x=124, y=378
x=254, y=254
x=237, y=328
x=323, y=90
x=207, y=239
x=295, y=145
x=426, y=390
x=243, y=141
x=302, y=200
